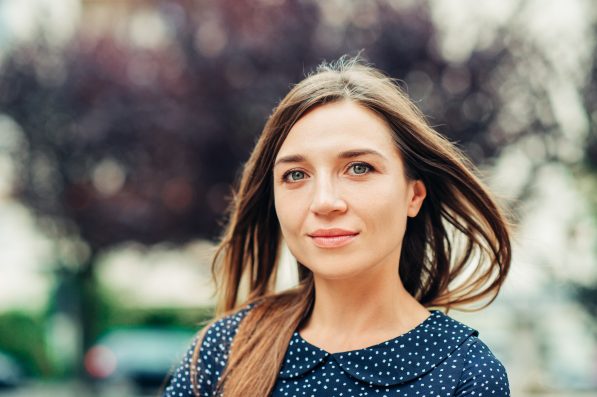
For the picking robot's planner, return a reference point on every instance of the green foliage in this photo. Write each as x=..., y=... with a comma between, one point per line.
x=22, y=337
x=112, y=313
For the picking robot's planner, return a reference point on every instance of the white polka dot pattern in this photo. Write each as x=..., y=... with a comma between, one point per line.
x=483, y=374
x=439, y=357
x=213, y=356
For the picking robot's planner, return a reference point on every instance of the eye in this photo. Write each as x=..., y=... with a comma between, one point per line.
x=360, y=168
x=293, y=176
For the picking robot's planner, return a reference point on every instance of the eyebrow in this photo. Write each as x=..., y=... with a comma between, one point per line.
x=297, y=158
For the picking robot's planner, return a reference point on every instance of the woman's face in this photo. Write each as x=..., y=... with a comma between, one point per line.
x=341, y=194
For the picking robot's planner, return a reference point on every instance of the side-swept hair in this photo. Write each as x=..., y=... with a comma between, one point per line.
x=456, y=251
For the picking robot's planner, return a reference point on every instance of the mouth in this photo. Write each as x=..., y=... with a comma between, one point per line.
x=334, y=240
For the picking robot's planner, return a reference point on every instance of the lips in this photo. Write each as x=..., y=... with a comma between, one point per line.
x=335, y=232
x=332, y=238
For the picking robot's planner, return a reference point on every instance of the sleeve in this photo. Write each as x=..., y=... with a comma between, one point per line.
x=483, y=374
x=211, y=361
x=179, y=384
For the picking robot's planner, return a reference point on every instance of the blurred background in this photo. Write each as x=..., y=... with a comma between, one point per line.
x=124, y=123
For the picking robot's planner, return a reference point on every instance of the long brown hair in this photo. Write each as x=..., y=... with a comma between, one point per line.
x=455, y=251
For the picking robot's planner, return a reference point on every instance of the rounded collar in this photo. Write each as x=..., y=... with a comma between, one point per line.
x=388, y=363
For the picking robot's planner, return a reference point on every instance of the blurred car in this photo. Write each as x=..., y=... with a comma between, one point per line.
x=11, y=372
x=143, y=356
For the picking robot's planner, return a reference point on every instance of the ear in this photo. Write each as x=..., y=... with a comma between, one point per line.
x=417, y=194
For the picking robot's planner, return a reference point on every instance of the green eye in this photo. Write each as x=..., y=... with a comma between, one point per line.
x=360, y=168
x=295, y=175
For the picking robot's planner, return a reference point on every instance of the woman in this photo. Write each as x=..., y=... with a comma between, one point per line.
x=386, y=220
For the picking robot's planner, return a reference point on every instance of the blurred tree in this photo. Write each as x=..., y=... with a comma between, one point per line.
x=586, y=292
x=130, y=141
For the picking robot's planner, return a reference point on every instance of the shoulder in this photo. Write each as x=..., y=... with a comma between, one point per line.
x=224, y=329
x=482, y=372
x=215, y=341
x=221, y=332
x=217, y=338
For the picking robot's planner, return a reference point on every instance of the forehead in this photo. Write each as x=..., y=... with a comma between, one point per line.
x=338, y=126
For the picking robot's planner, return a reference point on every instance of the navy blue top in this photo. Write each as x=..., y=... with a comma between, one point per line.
x=439, y=357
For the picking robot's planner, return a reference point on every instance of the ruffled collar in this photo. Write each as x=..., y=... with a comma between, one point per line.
x=388, y=363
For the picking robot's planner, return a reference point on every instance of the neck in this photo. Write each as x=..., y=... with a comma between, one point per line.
x=360, y=311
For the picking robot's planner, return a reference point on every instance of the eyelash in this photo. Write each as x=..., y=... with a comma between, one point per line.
x=367, y=165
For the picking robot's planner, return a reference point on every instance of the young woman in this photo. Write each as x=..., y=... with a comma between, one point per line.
x=386, y=220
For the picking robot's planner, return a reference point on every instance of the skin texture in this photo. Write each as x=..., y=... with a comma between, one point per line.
x=320, y=184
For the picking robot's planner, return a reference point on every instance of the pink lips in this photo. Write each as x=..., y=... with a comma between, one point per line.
x=332, y=238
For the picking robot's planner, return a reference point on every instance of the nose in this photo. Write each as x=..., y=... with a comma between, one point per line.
x=325, y=198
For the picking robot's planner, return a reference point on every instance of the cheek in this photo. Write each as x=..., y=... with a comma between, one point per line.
x=288, y=213
x=384, y=208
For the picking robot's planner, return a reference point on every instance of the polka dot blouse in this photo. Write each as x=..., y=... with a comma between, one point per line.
x=439, y=357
